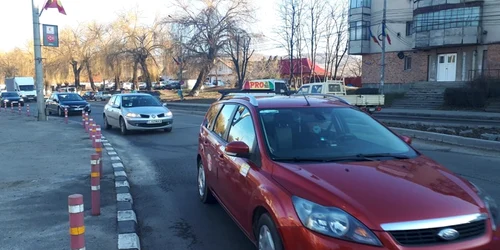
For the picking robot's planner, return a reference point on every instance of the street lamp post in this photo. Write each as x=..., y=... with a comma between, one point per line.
x=38, y=63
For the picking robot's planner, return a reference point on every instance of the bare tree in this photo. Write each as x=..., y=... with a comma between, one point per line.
x=317, y=19
x=209, y=28
x=238, y=47
x=354, y=65
x=289, y=12
x=336, y=37
x=266, y=68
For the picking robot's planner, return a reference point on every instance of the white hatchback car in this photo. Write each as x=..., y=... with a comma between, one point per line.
x=136, y=111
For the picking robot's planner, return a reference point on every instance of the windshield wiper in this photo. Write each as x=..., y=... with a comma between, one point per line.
x=372, y=156
x=297, y=159
x=358, y=157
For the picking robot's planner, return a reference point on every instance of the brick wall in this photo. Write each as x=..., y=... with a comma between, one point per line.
x=493, y=57
x=394, y=70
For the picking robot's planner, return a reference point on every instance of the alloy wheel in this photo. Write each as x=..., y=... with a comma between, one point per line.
x=201, y=181
x=266, y=241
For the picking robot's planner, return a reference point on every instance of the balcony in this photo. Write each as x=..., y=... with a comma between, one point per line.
x=446, y=26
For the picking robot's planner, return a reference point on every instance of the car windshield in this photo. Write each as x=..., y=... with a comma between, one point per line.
x=27, y=87
x=10, y=94
x=140, y=101
x=328, y=133
x=70, y=97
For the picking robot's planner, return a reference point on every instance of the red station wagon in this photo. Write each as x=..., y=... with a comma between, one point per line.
x=304, y=172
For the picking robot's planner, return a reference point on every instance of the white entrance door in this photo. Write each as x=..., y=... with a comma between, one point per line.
x=447, y=67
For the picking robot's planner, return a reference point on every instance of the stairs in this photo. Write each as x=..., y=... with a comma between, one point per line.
x=425, y=95
x=494, y=106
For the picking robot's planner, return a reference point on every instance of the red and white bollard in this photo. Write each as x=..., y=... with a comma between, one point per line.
x=98, y=142
x=19, y=108
x=5, y=106
x=12, y=107
x=89, y=128
x=76, y=223
x=95, y=183
x=86, y=122
x=92, y=130
x=27, y=109
x=66, y=115
x=83, y=118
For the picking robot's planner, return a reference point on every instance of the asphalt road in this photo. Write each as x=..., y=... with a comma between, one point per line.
x=162, y=170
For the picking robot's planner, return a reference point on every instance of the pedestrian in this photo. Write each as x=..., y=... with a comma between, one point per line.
x=179, y=92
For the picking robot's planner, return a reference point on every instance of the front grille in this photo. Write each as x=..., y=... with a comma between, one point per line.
x=144, y=116
x=161, y=115
x=430, y=236
x=145, y=125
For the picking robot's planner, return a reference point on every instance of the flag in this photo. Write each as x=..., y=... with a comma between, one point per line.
x=373, y=37
x=53, y=4
x=386, y=34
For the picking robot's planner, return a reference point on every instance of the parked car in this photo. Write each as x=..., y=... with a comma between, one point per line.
x=11, y=98
x=89, y=95
x=73, y=102
x=136, y=111
x=103, y=96
x=313, y=172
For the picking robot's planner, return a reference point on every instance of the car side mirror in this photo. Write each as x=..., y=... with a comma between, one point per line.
x=164, y=104
x=238, y=149
x=406, y=139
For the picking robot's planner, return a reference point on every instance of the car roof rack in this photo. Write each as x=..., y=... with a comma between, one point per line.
x=252, y=98
x=326, y=96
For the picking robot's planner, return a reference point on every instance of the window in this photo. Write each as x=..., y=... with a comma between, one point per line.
x=211, y=114
x=409, y=28
x=445, y=19
x=118, y=101
x=407, y=62
x=304, y=90
x=333, y=88
x=361, y=3
x=140, y=101
x=359, y=30
x=316, y=89
x=222, y=122
x=327, y=133
x=111, y=100
x=242, y=128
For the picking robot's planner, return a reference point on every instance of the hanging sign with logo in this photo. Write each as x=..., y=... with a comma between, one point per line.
x=50, y=35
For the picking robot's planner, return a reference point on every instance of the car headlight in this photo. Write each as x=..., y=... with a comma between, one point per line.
x=88, y=105
x=168, y=114
x=133, y=115
x=6, y=100
x=490, y=204
x=333, y=222
x=21, y=100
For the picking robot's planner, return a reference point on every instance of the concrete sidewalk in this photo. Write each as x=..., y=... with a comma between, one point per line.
x=41, y=164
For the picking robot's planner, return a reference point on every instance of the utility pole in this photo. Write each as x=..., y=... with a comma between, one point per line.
x=40, y=99
x=181, y=59
x=382, y=71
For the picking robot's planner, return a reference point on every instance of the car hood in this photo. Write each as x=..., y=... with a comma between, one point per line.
x=11, y=98
x=147, y=110
x=71, y=103
x=381, y=192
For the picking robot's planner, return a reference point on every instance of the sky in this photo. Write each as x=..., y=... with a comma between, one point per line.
x=16, y=20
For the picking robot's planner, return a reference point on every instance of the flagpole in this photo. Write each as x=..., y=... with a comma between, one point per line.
x=382, y=73
x=40, y=99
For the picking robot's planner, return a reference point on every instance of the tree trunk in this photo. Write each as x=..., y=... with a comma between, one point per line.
x=199, y=80
x=134, y=75
x=146, y=75
x=91, y=78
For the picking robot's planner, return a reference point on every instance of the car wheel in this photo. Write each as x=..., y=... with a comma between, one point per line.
x=60, y=112
x=106, y=124
x=168, y=130
x=204, y=192
x=123, y=127
x=268, y=237
x=47, y=111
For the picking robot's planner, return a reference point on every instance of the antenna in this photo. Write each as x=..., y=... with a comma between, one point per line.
x=305, y=97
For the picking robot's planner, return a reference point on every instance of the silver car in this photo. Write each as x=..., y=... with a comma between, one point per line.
x=136, y=111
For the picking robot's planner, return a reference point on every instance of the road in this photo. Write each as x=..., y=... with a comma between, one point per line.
x=163, y=174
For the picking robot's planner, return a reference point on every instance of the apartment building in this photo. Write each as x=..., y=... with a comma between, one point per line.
x=427, y=40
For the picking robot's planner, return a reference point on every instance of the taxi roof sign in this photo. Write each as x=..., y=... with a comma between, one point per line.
x=259, y=85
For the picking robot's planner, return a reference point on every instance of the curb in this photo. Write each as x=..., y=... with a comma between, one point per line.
x=127, y=227
x=450, y=139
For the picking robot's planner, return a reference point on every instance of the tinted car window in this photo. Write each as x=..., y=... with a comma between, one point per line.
x=242, y=128
x=69, y=97
x=211, y=114
x=222, y=122
x=326, y=133
x=140, y=101
x=316, y=89
x=333, y=88
x=304, y=90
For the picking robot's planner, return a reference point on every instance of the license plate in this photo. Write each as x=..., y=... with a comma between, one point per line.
x=78, y=108
x=14, y=102
x=154, y=121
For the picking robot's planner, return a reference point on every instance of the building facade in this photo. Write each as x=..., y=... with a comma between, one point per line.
x=427, y=40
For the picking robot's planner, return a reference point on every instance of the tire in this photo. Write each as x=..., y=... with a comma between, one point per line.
x=204, y=192
x=106, y=124
x=60, y=112
x=168, y=130
x=123, y=127
x=267, y=233
x=47, y=112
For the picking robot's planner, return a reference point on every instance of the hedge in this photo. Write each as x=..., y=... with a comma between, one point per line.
x=465, y=97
